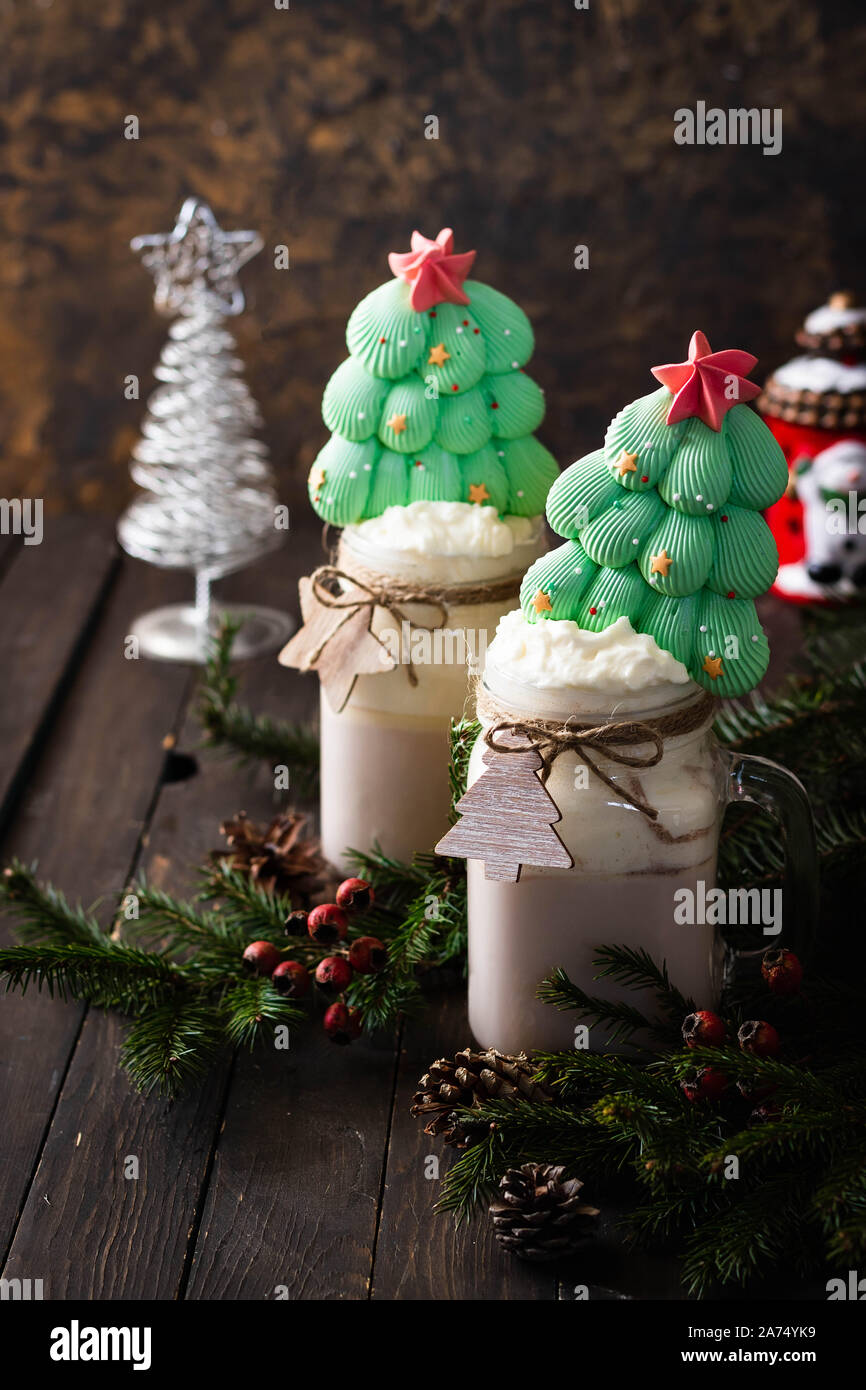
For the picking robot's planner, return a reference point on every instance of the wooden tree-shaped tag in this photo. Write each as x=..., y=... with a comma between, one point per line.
x=337, y=643
x=507, y=818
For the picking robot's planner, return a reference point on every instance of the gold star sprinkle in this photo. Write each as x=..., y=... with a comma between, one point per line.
x=478, y=493
x=541, y=603
x=317, y=479
x=438, y=356
x=397, y=423
x=713, y=667
x=661, y=563
x=627, y=463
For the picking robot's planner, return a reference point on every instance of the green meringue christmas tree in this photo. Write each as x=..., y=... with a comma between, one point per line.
x=664, y=523
x=432, y=402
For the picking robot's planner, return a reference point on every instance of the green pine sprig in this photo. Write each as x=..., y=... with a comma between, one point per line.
x=235, y=729
x=738, y=1198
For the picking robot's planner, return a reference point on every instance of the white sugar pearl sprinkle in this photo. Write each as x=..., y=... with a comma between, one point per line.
x=362, y=414
x=635, y=541
x=703, y=627
x=507, y=332
x=520, y=492
x=578, y=569
x=699, y=497
x=677, y=496
x=754, y=636
x=709, y=506
x=459, y=330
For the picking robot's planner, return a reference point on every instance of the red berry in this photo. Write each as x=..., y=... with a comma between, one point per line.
x=291, y=978
x=355, y=895
x=342, y=1025
x=707, y=1084
x=368, y=955
x=334, y=974
x=782, y=971
x=703, y=1029
x=327, y=924
x=296, y=923
x=759, y=1038
x=261, y=958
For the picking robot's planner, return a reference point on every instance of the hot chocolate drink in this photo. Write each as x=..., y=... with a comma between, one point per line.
x=384, y=756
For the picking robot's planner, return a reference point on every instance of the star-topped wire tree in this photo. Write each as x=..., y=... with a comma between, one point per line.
x=664, y=523
x=432, y=403
x=209, y=503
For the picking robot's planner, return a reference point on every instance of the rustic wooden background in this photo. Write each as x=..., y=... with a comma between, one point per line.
x=308, y=123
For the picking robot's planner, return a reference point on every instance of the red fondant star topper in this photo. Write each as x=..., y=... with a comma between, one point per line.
x=434, y=272
x=708, y=384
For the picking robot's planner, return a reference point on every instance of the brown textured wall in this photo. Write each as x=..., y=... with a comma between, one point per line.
x=308, y=123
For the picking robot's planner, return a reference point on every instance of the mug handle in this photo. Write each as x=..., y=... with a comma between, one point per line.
x=783, y=796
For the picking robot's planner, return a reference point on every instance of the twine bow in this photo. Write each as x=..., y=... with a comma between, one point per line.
x=325, y=577
x=606, y=739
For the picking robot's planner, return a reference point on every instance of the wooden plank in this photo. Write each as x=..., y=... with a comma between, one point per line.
x=421, y=1254
x=292, y=1204
x=135, y=1244
x=44, y=618
x=81, y=816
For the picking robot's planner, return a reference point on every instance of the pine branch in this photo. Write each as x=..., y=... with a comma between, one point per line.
x=429, y=932
x=847, y=1245
x=463, y=737
x=235, y=729
x=111, y=975
x=253, y=1008
x=635, y=968
x=755, y=1230
x=257, y=913
x=173, y=1046
x=523, y=1132
x=41, y=913
x=397, y=883
x=473, y=1178
x=180, y=927
x=621, y=1019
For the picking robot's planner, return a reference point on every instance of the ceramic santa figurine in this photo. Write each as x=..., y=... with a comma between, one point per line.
x=816, y=407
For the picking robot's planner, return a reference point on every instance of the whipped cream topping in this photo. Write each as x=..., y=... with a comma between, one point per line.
x=446, y=528
x=820, y=374
x=826, y=319
x=553, y=654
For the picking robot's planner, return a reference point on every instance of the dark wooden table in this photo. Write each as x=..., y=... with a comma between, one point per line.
x=296, y=1174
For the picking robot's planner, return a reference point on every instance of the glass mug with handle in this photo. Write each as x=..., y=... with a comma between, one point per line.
x=635, y=881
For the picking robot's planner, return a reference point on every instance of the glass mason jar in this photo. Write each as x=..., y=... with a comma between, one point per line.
x=635, y=881
x=384, y=757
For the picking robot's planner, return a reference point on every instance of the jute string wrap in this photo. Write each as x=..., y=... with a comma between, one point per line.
x=550, y=738
x=374, y=590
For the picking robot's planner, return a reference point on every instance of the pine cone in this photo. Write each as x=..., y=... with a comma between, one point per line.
x=277, y=858
x=470, y=1079
x=541, y=1216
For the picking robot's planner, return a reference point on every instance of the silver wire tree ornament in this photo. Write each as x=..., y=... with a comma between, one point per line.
x=209, y=503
